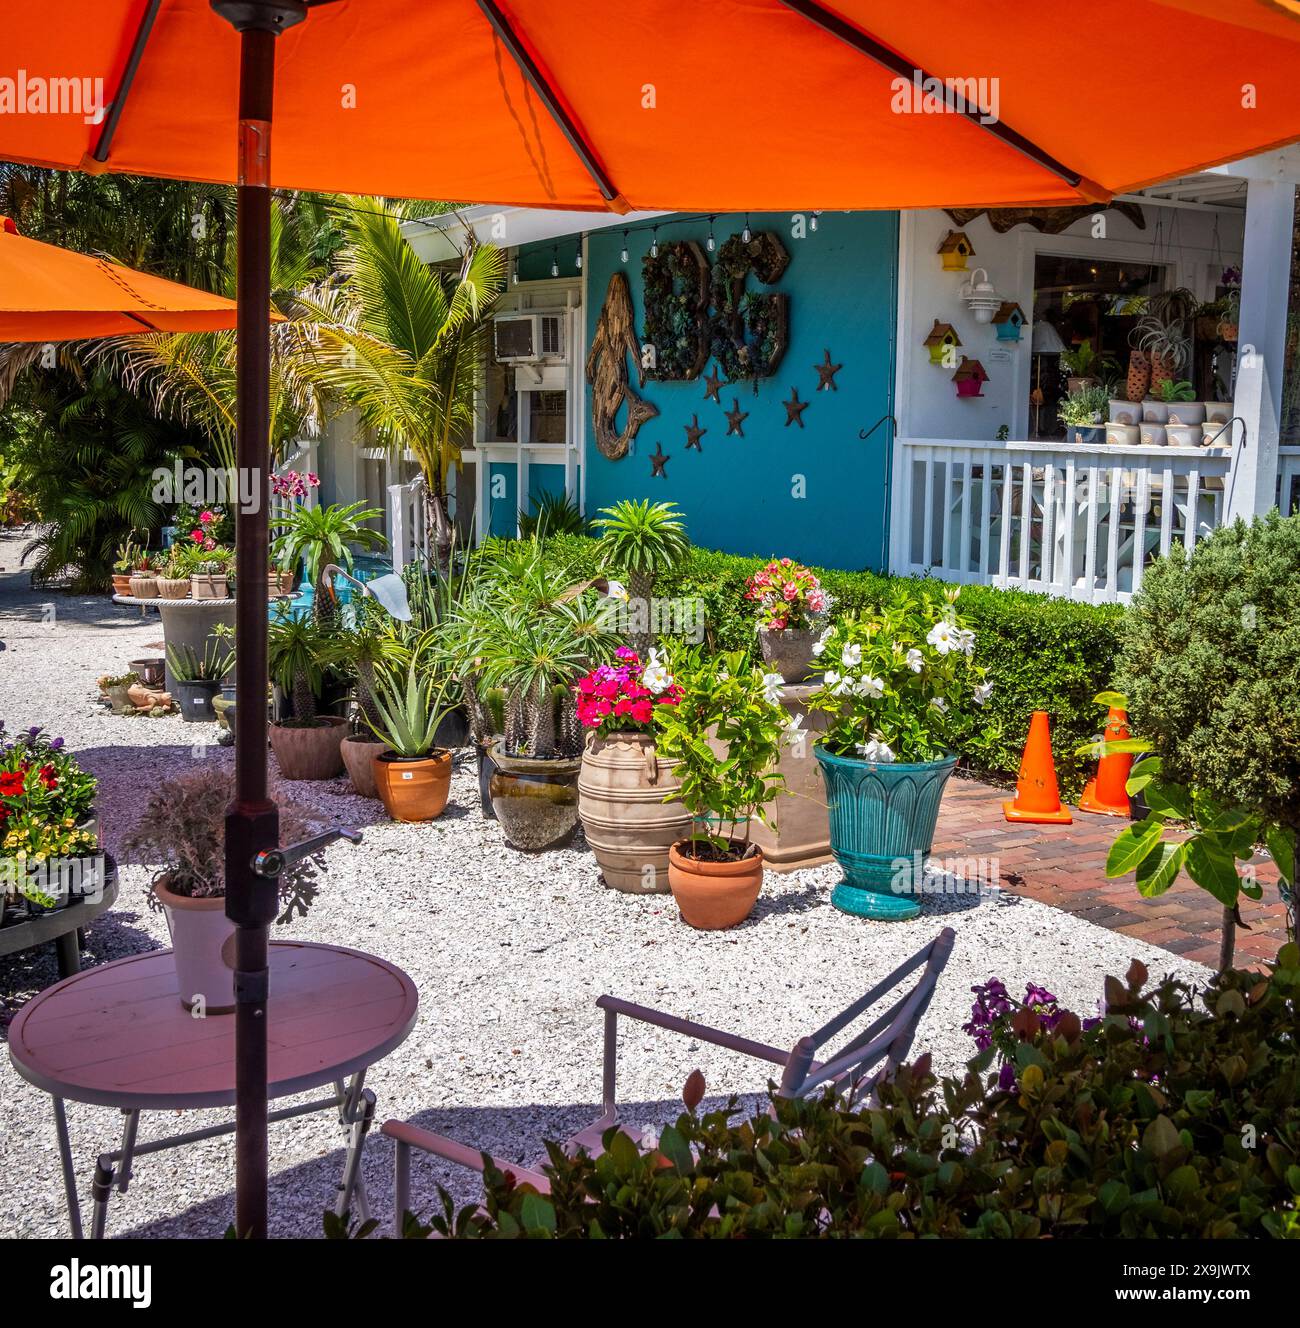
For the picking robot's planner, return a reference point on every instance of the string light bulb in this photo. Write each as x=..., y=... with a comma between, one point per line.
x=555, y=261
x=623, y=254
x=577, y=256
x=711, y=243
x=654, y=243
x=514, y=273
x=746, y=235
x=812, y=221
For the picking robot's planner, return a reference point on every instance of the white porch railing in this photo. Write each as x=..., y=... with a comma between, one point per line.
x=1077, y=521
x=408, y=528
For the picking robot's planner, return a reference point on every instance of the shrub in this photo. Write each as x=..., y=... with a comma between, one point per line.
x=1040, y=653
x=1210, y=662
x=1174, y=1115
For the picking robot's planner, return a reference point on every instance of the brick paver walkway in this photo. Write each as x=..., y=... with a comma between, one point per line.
x=1064, y=865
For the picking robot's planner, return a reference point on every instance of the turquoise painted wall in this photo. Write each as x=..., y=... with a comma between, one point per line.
x=503, y=512
x=739, y=493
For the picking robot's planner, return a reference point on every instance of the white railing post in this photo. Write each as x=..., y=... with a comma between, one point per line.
x=398, y=526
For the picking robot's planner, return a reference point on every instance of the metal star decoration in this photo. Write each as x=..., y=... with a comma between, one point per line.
x=826, y=372
x=658, y=460
x=735, y=418
x=713, y=381
x=794, y=409
x=694, y=433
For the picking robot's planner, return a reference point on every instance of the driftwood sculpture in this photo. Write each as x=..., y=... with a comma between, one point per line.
x=607, y=373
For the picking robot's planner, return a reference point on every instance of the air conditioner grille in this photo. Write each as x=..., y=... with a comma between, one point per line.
x=551, y=339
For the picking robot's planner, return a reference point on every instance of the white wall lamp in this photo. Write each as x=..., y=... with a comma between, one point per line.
x=980, y=296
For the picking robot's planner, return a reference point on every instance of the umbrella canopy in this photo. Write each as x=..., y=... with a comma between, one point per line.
x=725, y=105
x=53, y=294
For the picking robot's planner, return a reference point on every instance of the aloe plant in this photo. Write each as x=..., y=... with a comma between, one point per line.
x=409, y=715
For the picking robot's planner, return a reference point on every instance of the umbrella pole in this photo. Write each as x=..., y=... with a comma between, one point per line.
x=252, y=821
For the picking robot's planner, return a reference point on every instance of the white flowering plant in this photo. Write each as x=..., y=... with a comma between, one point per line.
x=901, y=684
x=725, y=732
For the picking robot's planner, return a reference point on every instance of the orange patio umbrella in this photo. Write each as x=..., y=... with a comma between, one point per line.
x=722, y=105
x=53, y=294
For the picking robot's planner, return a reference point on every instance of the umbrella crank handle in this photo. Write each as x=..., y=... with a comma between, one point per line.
x=271, y=862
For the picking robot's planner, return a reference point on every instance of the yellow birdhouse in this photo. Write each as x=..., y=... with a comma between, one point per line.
x=955, y=249
x=942, y=335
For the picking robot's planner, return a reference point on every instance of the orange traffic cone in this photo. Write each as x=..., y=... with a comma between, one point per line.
x=1037, y=797
x=1106, y=795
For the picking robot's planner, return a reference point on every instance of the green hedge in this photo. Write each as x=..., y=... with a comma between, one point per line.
x=1041, y=653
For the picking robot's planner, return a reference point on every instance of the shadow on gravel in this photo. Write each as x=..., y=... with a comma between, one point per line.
x=299, y=1196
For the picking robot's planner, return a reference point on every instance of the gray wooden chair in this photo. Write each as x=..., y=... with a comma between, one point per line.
x=870, y=1054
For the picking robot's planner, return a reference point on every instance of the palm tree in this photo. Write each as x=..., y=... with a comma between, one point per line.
x=403, y=343
x=644, y=539
x=319, y=536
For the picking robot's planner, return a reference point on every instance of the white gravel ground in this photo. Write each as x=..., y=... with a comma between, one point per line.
x=508, y=953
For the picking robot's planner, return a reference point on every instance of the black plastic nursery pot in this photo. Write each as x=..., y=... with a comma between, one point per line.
x=195, y=700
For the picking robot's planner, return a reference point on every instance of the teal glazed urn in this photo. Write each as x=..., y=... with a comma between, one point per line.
x=882, y=826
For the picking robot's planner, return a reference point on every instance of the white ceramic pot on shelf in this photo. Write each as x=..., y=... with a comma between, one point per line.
x=1152, y=435
x=1186, y=412
x=1155, y=412
x=1122, y=435
x=1124, y=411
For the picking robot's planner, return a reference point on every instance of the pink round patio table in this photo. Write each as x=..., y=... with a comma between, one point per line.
x=118, y=1036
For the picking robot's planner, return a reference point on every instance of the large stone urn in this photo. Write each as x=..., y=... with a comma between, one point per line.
x=622, y=788
x=797, y=832
x=790, y=652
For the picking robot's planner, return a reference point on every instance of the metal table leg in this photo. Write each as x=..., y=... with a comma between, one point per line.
x=357, y=1110
x=69, y=1176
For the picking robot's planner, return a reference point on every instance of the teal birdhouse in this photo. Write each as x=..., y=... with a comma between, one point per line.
x=1009, y=320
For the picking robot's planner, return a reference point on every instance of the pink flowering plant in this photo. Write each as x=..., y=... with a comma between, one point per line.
x=203, y=527
x=622, y=697
x=902, y=684
x=293, y=485
x=787, y=595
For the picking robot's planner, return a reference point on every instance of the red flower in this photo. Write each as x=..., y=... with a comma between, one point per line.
x=196, y=536
x=11, y=784
x=48, y=777
x=641, y=711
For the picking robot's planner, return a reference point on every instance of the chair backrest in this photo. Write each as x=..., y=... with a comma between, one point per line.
x=882, y=1045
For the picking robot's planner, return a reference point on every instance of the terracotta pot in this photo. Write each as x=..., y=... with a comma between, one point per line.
x=209, y=585
x=622, y=787
x=1139, y=376
x=279, y=583
x=174, y=587
x=144, y=587
x=121, y=583
x=536, y=801
x=714, y=895
x=203, y=942
x=413, y=788
x=789, y=653
x=359, y=757
x=310, y=751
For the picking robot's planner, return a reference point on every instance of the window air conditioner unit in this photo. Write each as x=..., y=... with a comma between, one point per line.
x=528, y=338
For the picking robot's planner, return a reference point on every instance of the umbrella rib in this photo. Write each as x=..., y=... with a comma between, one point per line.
x=537, y=80
x=869, y=46
x=105, y=144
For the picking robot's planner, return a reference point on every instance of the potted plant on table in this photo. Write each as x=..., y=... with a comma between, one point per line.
x=1084, y=413
x=625, y=786
x=307, y=744
x=725, y=733
x=209, y=572
x=791, y=603
x=131, y=558
x=143, y=583
x=411, y=772
x=47, y=823
x=183, y=827
x=898, y=691
x=198, y=678
x=174, y=579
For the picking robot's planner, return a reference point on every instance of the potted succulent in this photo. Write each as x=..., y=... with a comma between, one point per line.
x=47, y=821
x=725, y=734
x=130, y=559
x=898, y=693
x=790, y=602
x=1083, y=413
x=411, y=772
x=1177, y=396
x=198, y=678
x=209, y=573
x=1084, y=367
x=364, y=649
x=174, y=579
x=625, y=786
x=117, y=691
x=183, y=828
x=143, y=582
x=306, y=744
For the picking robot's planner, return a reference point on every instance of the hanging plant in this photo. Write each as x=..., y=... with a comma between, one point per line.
x=750, y=329
x=676, y=286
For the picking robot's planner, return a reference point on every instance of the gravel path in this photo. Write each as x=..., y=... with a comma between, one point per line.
x=508, y=953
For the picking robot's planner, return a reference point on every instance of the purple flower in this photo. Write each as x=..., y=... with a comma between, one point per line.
x=1007, y=1076
x=56, y=744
